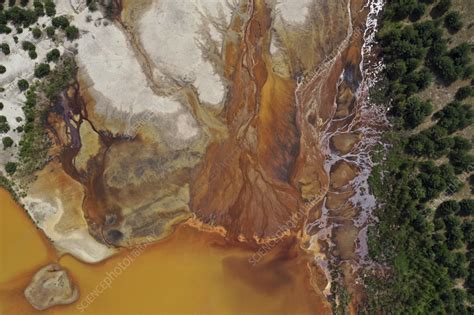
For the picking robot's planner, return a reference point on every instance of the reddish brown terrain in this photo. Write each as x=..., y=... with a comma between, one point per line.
x=277, y=167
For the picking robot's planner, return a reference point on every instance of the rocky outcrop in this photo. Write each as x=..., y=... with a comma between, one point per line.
x=51, y=286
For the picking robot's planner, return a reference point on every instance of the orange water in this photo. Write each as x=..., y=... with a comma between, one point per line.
x=187, y=274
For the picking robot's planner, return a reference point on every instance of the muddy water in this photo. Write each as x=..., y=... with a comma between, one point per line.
x=190, y=273
x=22, y=246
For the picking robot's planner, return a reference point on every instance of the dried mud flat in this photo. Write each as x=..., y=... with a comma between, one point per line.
x=230, y=117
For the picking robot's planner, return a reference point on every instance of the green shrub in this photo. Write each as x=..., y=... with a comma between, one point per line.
x=32, y=53
x=1, y=105
x=447, y=208
x=461, y=161
x=400, y=9
x=10, y=168
x=455, y=116
x=36, y=32
x=5, y=29
x=21, y=17
x=461, y=144
x=91, y=5
x=50, y=7
x=60, y=21
x=5, y=48
x=468, y=72
x=464, y=92
x=50, y=31
x=441, y=8
x=445, y=68
x=453, y=22
x=2, y=69
x=24, y=3
x=461, y=55
x=416, y=111
x=26, y=45
x=39, y=7
x=466, y=207
x=4, y=127
x=396, y=69
x=42, y=70
x=7, y=142
x=23, y=84
x=417, y=12
x=72, y=32
x=53, y=55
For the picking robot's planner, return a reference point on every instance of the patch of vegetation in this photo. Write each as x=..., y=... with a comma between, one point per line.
x=50, y=31
x=53, y=55
x=464, y=92
x=72, y=32
x=429, y=251
x=4, y=127
x=453, y=22
x=60, y=22
x=36, y=32
x=10, y=168
x=34, y=143
x=26, y=45
x=91, y=5
x=32, y=54
x=18, y=16
x=5, y=48
x=23, y=84
x=42, y=70
x=2, y=69
x=60, y=77
x=39, y=7
x=7, y=142
x=50, y=7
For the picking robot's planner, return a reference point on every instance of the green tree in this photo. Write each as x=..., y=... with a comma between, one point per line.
x=5, y=48
x=455, y=116
x=26, y=45
x=7, y=142
x=417, y=12
x=448, y=207
x=23, y=84
x=466, y=207
x=464, y=92
x=461, y=144
x=4, y=127
x=444, y=67
x=461, y=161
x=441, y=8
x=42, y=70
x=72, y=32
x=60, y=21
x=416, y=111
x=32, y=53
x=39, y=7
x=10, y=168
x=36, y=32
x=453, y=22
x=50, y=7
x=53, y=55
x=50, y=31
x=396, y=69
x=2, y=69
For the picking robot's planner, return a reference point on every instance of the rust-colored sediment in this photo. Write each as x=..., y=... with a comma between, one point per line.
x=265, y=164
x=251, y=195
